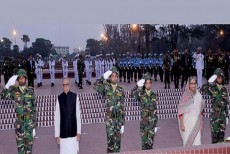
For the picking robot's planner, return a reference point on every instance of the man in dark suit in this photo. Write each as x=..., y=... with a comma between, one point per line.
x=186, y=67
x=30, y=67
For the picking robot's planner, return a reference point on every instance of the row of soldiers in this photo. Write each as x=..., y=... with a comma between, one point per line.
x=170, y=66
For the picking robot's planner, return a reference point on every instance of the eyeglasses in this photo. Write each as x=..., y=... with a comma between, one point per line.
x=67, y=84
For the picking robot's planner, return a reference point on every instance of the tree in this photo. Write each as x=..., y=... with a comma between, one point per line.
x=6, y=43
x=42, y=46
x=25, y=39
x=93, y=47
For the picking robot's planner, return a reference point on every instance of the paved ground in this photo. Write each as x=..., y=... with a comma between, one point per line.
x=93, y=139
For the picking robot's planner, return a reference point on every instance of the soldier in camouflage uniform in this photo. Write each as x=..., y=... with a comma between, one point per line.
x=25, y=108
x=115, y=114
x=147, y=98
x=220, y=101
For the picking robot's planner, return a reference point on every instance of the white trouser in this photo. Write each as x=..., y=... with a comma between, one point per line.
x=98, y=74
x=89, y=75
x=40, y=74
x=52, y=75
x=65, y=73
x=199, y=77
x=37, y=76
x=86, y=74
x=101, y=72
x=69, y=145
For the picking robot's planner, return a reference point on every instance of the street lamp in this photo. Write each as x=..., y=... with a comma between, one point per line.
x=134, y=26
x=103, y=37
x=221, y=32
x=14, y=34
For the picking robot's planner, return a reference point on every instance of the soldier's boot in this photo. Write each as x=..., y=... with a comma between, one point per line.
x=168, y=86
x=52, y=84
x=38, y=85
x=81, y=87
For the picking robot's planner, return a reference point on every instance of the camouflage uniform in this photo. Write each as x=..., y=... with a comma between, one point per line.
x=115, y=116
x=219, y=113
x=25, y=108
x=148, y=114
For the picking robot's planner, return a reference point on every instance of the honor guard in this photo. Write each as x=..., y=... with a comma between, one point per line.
x=129, y=67
x=102, y=65
x=135, y=67
x=125, y=64
x=141, y=66
x=156, y=63
x=65, y=67
x=52, y=69
x=75, y=69
x=97, y=67
x=160, y=68
x=167, y=67
x=36, y=69
x=119, y=66
x=88, y=69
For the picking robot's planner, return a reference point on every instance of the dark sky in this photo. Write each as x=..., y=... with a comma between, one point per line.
x=72, y=35
x=72, y=22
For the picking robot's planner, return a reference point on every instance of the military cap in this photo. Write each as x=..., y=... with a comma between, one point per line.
x=115, y=70
x=147, y=76
x=219, y=72
x=22, y=73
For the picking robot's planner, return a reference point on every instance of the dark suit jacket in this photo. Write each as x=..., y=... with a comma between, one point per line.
x=189, y=61
x=30, y=68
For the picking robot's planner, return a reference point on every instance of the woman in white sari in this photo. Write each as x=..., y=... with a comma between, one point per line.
x=190, y=115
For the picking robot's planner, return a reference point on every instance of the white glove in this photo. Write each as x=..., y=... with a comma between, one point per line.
x=34, y=133
x=226, y=121
x=212, y=78
x=141, y=82
x=122, y=129
x=107, y=74
x=11, y=81
x=155, y=130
